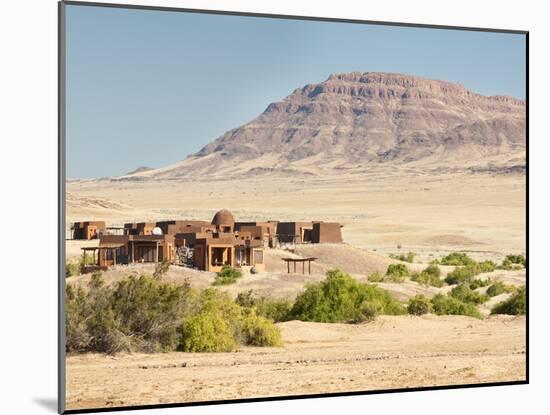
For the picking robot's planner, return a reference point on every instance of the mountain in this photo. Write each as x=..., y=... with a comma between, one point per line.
x=353, y=121
x=140, y=169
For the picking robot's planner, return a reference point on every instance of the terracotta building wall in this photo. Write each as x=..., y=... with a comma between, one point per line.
x=326, y=232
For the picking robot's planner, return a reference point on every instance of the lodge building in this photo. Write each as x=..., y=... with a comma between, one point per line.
x=207, y=246
x=88, y=230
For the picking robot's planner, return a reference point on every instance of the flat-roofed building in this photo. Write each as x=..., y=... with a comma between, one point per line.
x=128, y=249
x=88, y=230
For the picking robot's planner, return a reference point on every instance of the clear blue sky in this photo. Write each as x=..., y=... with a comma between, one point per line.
x=147, y=88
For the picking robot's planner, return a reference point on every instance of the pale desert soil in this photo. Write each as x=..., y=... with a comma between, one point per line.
x=392, y=352
x=429, y=214
x=432, y=215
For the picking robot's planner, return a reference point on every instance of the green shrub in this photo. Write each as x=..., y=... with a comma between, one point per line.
x=208, y=332
x=405, y=258
x=486, y=266
x=246, y=299
x=467, y=273
x=341, y=298
x=236, y=325
x=429, y=277
x=513, y=262
x=149, y=311
x=77, y=310
x=71, y=269
x=275, y=309
x=478, y=283
x=260, y=331
x=396, y=273
x=141, y=313
x=228, y=275
x=457, y=258
x=433, y=269
x=443, y=305
x=498, y=288
x=515, y=305
x=376, y=277
x=464, y=293
x=461, y=275
x=516, y=259
x=161, y=269
x=419, y=305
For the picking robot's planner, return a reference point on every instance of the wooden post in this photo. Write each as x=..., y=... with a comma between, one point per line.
x=132, y=250
x=309, y=266
x=294, y=266
x=114, y=255
x=288, y=266
x=157, y=256
x=303, y=267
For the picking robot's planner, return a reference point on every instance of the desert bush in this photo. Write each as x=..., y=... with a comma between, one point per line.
x=464, y=293
x=71, y=269
x=149, y=311
x=516, y=259
x=77, y=309
x=375, y=277
x=275, y=309
x=221, y=324
x=260, y=331
x=460, y=275
x=228, y=275
x=498, y=288
x=341, y=298
x=429, y=276
x=141, y=313
x=443, y=304
x=419, y=305
x=478, y=283
x=515, y=305
x=161, y=269
x=405, y=258
x=246, y=299
x=513, y=262
x=433, y=269
x=208, y=332
x=396, y=273
x=467, y=273
x=486, y=266
x=457, y=258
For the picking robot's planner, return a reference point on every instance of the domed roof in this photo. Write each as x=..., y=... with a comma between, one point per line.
x=223, y=218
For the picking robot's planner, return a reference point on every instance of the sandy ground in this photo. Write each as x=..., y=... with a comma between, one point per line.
x=383, y=211
x=392, y=352
x=426, y=213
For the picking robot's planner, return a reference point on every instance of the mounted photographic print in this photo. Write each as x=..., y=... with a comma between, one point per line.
x=256, y=207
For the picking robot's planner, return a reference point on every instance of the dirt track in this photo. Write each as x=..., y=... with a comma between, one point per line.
x=392, y=352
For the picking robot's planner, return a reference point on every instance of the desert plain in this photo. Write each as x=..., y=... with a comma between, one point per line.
x=385, y=210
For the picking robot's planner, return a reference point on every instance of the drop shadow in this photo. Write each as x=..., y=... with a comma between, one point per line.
x=48, y=403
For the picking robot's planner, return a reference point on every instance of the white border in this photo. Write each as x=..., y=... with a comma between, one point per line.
x=28, y=30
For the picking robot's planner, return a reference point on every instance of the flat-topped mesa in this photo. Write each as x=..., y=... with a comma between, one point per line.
x=357, y=119
x=393, y=85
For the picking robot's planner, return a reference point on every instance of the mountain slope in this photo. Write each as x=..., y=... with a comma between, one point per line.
x=356, y=120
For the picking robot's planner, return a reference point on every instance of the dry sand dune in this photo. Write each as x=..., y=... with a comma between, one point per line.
x=392, y=352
